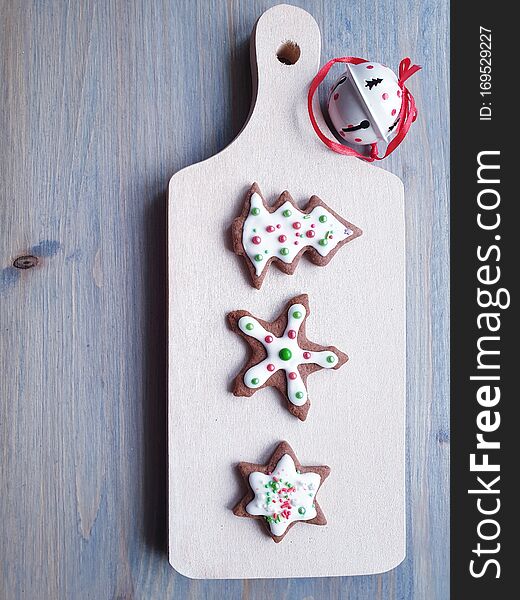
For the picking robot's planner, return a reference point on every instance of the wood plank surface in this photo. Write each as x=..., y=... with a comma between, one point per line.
x=102, y=101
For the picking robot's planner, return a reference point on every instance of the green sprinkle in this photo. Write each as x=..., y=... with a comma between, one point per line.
x=259, y=257
x=255, y=211
x=254, y=230
x=285, y=354
x=323, y=242
x=331, y=358
x=250, y=326
x=284, y=251
x=287, y=213
x=266, y=251
x=307, y=217
x=323, y=219
x=297, y=314
x=255, y=381
x=299, y=395
x=302, y=510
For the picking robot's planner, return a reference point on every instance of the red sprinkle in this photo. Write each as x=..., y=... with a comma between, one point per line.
x=268, y=339
x=296, y=225
x=370, y=66
x=296, y=243
x=270, y=367
x=312, y=225
x=306, y=355
x=278, y=226
x=310, y=233
x=282, y=238
x=293, y=376
x=291, y=333
x=257, y=239
x=269, y=228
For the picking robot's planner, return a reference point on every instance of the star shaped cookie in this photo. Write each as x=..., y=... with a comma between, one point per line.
x=281, y=355
x=282, y=492
x=283, y=233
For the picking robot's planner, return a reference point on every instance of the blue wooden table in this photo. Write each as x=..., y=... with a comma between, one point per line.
x=102, y=101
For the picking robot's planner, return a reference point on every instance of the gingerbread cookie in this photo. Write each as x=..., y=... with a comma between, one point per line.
x=281, y=354
x=282, y=492
x=283, y=233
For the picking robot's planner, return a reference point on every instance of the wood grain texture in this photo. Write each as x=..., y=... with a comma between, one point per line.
x=102, y=102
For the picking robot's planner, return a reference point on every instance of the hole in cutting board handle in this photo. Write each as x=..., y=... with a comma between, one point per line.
x=288, y=53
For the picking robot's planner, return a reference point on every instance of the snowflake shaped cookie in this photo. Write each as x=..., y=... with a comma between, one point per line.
x=283, y=233
x=282, y=356
x=282, y=492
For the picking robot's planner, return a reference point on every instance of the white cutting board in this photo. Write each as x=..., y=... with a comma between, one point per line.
x=356, y=423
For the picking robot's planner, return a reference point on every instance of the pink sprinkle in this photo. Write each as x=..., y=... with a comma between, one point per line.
x=385, y=96
x=269, y=228
x=270, y=367
x=358, y=140
x=330, y=237
x=349, y=125
x=257, y=239
x=336, y=96
x=394, y=111
x=296, y=225
x=312, y=225
x=268, y=339
x=297, y=234
x=278, y=226
x=370, y=66
x=291, y=333
x=282, y=238
x=292, y=375
x=310, y=233
x=296, y=243
x=342, y=133
x=398, y=93
x=306, y=355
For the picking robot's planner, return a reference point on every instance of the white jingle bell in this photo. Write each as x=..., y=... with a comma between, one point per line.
x=365, y=103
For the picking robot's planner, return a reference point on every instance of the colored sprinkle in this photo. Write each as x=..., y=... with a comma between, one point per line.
x=255, y=211
x=258, y=257
x=293, y=376
x=284, y=251
x=255, y=381
x=282, y=238
x=291, y=333
x=256, y=239
x=285, y=354
x=306, y=355
x=310, y=233
x=269, y=228
x=307, y=217
x=323, y=219
x=278, y=226
x=299, y=395
x=296, y=243
x=250, y=326
x=297, y=314
x=296, y=225
x=268, y=339
x=287, y=213
x=331, y=358
x=266, y=251
x=323, y=242
x=270, y=367
x=301, y=510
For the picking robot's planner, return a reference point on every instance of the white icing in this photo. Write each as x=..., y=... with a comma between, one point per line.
x=268, y=243
x=257, y=375
x=284, y=496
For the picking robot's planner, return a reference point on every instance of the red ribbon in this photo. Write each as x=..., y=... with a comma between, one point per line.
x=407, y=114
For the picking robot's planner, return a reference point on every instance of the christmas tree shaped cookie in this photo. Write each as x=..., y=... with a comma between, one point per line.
x=282, y=233
x=281, y=355
x=282, y=492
